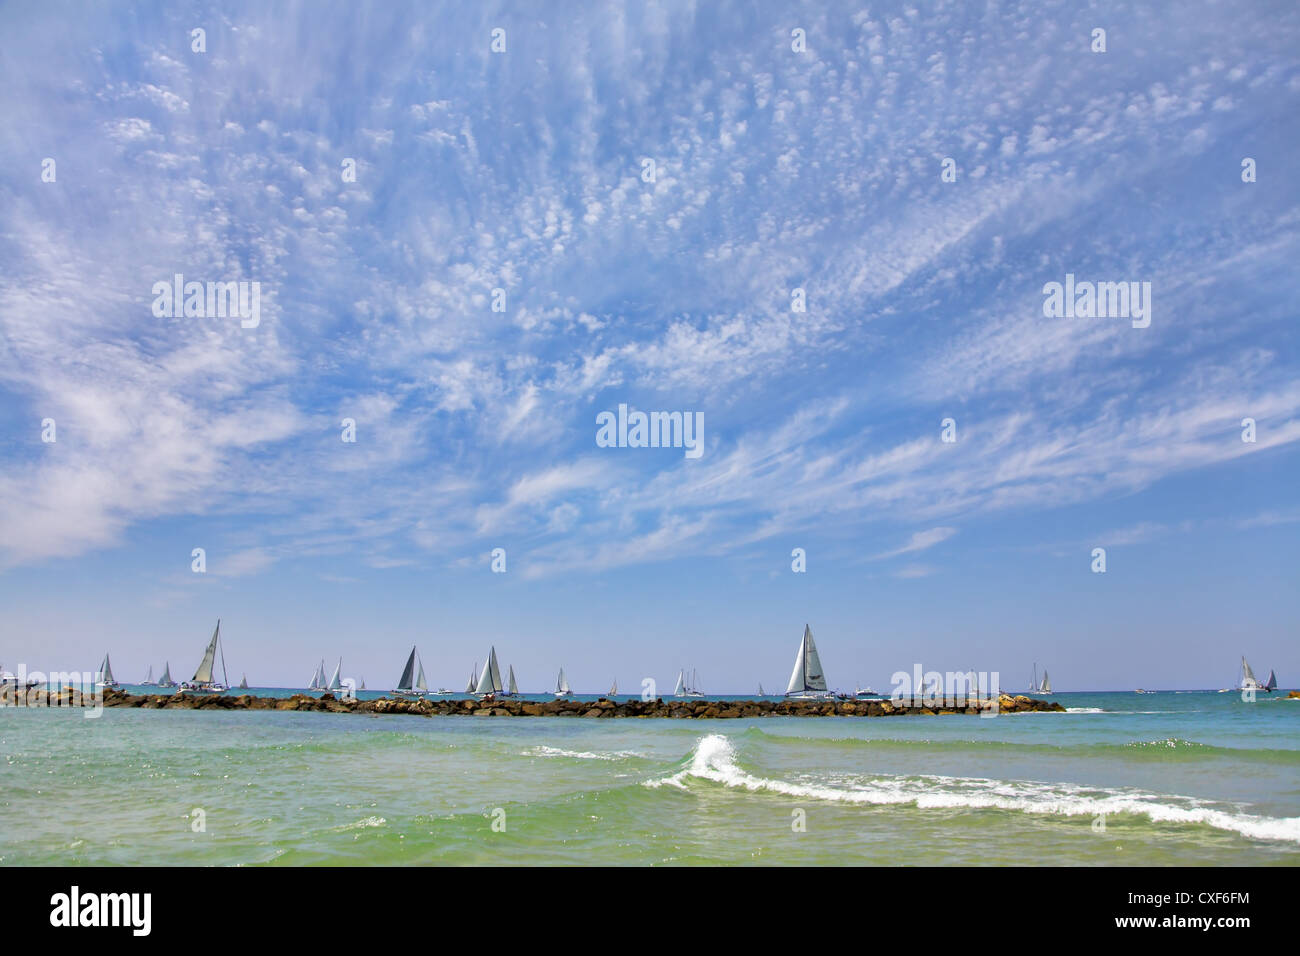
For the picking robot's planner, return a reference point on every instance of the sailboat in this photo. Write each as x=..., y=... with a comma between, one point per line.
x=317, y=681
x=166, y=679
x=512, y=689
x=1248, y=681
x=411, y=683
x=1271, y=684
x=1033, y=681
x=148, y=678
x=562, y=685
x=807, y=682
x=363, y=684
x=761, y=692
x=202, y=681
x=613, y=689
x=106, y=675
x=1046, y=686
x=243, y=682
x=489, y=682
x=335, y=683
x=686, y=688
x=473, y=679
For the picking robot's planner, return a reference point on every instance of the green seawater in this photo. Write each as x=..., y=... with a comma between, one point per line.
x=1169, y=778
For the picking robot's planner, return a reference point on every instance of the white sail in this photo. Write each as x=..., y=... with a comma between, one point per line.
x=1272, y=681
x=514, y=688
x=148, y=678
x=204, y=674
x=106, y=671
x=1247, y=675
x=613, y=689
x=243, y=683
x=1046, y=686
x=363, y=684
x=420, y=684
x=167, y=673
x=680, y=689
x=562, y=683
x=473, y=681
x=335, y=683
x=760, y=691
x=489, y=681
x=807, y=674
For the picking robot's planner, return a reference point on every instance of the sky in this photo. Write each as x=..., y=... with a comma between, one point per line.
x=782, y=161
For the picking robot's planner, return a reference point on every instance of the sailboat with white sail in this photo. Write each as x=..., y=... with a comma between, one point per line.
x=166, y=679
x=148, y=678
x=512, y=689
x=317, y=681
x=411, y=683
x=489, y=682
x=613, y=689
x=243, y=682
x=807, y=681
x=562, y=685
x=335, y=684
x=106, y=674
x=473, y=679
x=202, y=682
x=761, y=692
x=1046, y=686
x=687, y=686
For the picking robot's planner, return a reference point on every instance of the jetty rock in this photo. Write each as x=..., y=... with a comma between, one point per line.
x=602, y=708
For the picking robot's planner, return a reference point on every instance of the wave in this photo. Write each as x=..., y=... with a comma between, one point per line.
x=1161, y=748
x=543, y=751
x=714, y=760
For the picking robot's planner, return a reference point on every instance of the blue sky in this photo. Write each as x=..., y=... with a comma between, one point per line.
x=775, y=170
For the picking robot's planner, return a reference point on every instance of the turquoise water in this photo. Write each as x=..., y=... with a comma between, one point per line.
x=1167, y=778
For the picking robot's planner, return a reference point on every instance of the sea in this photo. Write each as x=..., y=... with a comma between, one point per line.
x=1193, y=778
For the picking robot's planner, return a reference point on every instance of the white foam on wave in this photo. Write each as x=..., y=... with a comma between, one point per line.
x=544, y=751
x=1084, y=710
x=714, y=759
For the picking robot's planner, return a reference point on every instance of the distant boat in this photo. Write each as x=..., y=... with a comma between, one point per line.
x=761, y=692
x=106, y=675
x=562, y=685
x=489, y=682
x=473, y=679
x=363, y=684
x=807, y=682
x=1248, y=680
x=335, y=683
x=868, y=692
x=243, y=682
x=511, y=687
x=1046, y=686
x=685, y=687
x=1272, y=682
x=202, y=682
x=411, y=683
x=166, y=679
x=613, y=689
x=1033, y=681
x=148, y=678
x=317, y=681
